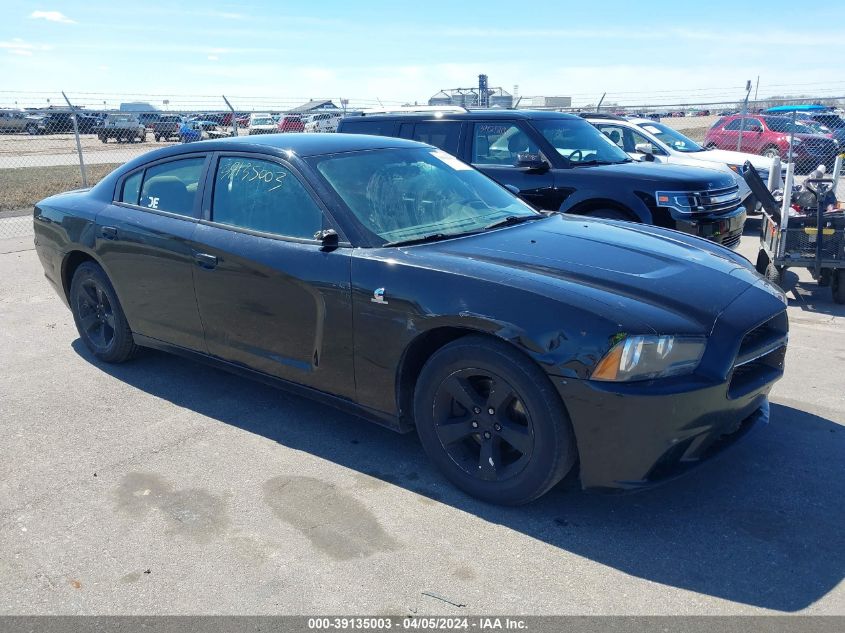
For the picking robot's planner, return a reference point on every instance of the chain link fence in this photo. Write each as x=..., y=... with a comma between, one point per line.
x=53, y=142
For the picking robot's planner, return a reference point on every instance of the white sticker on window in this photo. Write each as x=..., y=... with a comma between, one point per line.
x=652, y=129
x=450, y=160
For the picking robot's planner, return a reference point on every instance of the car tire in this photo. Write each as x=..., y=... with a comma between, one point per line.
x=32, y=130
x=609, y=214
x=529, y=433
x=837, y=285
x=710, y=146
x=158, y=138
x=771, y=152
x=99, y=319
x=775, y=274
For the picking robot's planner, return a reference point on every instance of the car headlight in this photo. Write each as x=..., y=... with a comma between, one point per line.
x=647, y=357
x=734, y=168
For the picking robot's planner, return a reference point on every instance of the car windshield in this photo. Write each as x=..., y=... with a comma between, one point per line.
x=672, y=138
x=401, y=195
x=830, y=120
x=785, y=124
x=580, y=142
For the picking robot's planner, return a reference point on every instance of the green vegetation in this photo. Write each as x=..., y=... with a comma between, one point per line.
x=24, y=186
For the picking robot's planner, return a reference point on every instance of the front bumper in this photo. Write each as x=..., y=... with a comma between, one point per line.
x=723, y=228
x=631, y=435
x=629, y=440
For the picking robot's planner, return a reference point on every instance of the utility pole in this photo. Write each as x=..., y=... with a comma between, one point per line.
x=744, y=112
x=756, y=88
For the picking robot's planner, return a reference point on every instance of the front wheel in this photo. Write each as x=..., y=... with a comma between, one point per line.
x=771, y=152
x=492, y=422
x=32, y=130
x=98, y=316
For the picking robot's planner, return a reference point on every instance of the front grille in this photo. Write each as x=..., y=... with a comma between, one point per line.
x=731, y=240
x=761, y=357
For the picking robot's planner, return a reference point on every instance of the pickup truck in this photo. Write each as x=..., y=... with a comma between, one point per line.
x=19, y=121
x=122, y=127
x=167, y=127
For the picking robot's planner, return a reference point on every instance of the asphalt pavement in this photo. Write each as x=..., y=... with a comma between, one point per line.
x=163, y=486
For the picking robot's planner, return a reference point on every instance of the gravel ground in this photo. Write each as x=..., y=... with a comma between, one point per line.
x=164, y=486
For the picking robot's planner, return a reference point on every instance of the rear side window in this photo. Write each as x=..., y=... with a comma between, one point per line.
x=261, y=195
x=734, y=125
x=441, y=134
x=500, y=143
x=172, y=186
x=132, y=188
x=377, y=128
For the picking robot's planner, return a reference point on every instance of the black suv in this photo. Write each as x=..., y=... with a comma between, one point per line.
x=560, y=162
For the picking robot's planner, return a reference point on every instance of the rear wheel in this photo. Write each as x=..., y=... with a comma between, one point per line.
x=837, y=285
x=98, y=316
x=771, y=152
x=492, y=422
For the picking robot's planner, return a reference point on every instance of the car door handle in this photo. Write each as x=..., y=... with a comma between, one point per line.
x=109, y=232
x=205, y=260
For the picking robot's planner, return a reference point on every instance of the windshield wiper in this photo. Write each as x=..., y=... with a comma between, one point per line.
x=513, y=219
x=432, y=237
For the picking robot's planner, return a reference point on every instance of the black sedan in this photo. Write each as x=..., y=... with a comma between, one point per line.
x=388, y=277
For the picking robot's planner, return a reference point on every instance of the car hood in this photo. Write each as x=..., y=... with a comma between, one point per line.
x=733, y=158
x=669, y=281
x=663, y=176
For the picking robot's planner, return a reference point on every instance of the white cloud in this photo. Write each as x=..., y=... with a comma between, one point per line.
x=213, y=58
x=51, y=16
x=17, y=46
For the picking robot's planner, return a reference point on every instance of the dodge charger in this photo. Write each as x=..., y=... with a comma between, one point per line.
x=389, y=278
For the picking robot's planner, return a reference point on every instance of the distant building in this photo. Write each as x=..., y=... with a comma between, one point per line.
x=137, y=106
x=315, y=105
x=550, y=102
x=470, y=98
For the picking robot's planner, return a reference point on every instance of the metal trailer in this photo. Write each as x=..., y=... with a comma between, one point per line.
x=816, y=243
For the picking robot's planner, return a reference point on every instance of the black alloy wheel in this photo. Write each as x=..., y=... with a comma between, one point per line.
x=490, y=419
x=483, y=425
x=98, y=316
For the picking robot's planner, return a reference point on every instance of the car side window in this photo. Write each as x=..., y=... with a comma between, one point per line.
x=172, y=186
x=499, y=143
x=132, y=188
x=637, y=138
x=614, y=133
x=377, y=128
x=442, y=134
x=733, y=125
x=265, y=196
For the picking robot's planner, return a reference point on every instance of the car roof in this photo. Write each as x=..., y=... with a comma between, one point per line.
x=471, y=115
x=299, y=143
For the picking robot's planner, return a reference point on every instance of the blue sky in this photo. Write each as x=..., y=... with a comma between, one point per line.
x=396, y=51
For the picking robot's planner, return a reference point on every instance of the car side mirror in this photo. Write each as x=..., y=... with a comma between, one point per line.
x=328, y=237
x=512, y=189
x=531, y=162
x=647, y=149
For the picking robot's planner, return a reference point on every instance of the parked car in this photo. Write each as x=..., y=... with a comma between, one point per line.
x=291, y=123
x=821, y=119
x=62, y=123
x=262, y=123
x=167, y=127
x=19, y=121
x=204, y=124
x=122, y=127
x=643, y=139
x=559, y=162
x=323, y=122
x=770, y=136
x=403, y=285
x=190, y=131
